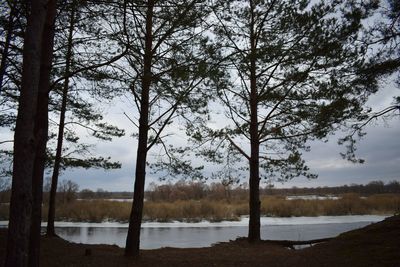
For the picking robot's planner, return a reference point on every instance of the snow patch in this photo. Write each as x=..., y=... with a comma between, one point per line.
x=244, y=221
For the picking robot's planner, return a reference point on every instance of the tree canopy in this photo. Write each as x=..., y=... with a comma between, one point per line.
x=293, y=76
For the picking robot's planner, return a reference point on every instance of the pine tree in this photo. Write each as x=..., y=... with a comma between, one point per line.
x=22, y=198
x=86, y=69
x=292, y=69
x=166, y=71
x=383, y=39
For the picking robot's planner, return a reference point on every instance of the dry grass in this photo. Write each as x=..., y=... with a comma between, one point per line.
x=92, y=211
x=348, y=204
x=190, y=210
x=205, y=209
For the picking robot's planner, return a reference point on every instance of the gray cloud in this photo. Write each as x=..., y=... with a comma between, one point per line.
x=380, y=148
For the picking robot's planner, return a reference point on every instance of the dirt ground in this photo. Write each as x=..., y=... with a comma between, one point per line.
x=375, y=245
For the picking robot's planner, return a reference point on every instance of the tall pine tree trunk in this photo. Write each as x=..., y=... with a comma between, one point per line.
x=135, y=220
x=41, y=131
x=24, y=141
x=57, y=161
x=254, y=200
x=7, y=42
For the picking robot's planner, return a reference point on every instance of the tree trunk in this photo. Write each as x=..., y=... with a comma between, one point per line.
x=254, y=201
x=24, y=141
x=41, y=131
x=7, y=41
x=57, y=161
x=135, y=220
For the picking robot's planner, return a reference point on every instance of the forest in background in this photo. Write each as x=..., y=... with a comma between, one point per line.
x=195, y=190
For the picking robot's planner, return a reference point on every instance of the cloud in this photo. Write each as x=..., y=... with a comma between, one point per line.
x=380, y=148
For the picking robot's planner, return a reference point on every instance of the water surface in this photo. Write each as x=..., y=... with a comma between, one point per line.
x=185, y=235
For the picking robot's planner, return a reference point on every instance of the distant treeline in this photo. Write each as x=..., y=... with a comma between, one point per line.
x=372, y=188
x=194, y=190
x=182, y=190
x=103, y=194
x=185, y=190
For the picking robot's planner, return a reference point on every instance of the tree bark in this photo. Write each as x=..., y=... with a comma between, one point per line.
x=57, y=161
x=17, y=254
x=135, y=220
x=254, y=200
x=7, y=41
x=41, y=131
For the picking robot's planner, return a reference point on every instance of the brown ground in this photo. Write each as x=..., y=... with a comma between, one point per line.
x=375, y=245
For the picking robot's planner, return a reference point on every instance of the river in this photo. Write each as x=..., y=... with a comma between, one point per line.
x=202, y=234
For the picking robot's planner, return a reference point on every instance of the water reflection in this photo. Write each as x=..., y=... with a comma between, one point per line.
x=152, y=238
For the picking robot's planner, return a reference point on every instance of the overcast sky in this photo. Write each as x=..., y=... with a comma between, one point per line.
x=380, y=148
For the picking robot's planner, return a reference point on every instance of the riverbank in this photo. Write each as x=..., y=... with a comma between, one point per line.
x=375, y=245
x=222, y=210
